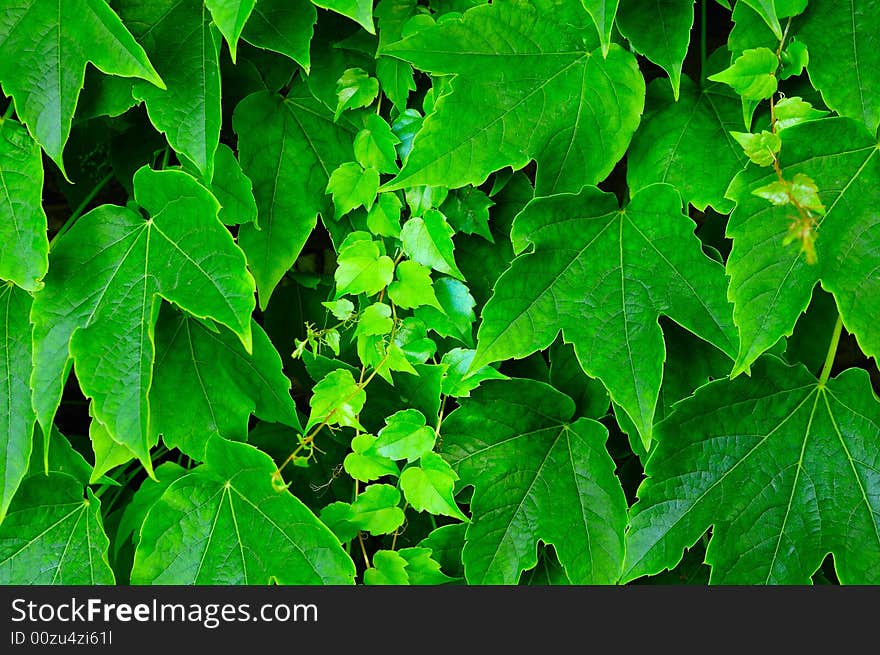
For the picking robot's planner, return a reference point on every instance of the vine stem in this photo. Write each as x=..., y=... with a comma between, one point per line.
x=832, y=351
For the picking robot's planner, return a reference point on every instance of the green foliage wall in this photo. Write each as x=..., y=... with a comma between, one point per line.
x=439, y=292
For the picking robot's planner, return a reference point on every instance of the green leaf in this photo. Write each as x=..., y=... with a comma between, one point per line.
x=361, y=269
x=360, y=11
x=355, y=89
x=845, y=65
x=233, y=189
x=667, y=46
x=16, y=416
x=688, y=143
x=397, y=80
x=771, y=285
x=185, y=48
x=760, y=148
x=413, y=286
x=453, y=316
x=588, y=394
x=405, y=436
x=44, y=49
x=230, y=17
x=108, y=453
x=535, y=477
x=24, y=248
x=640, y=262
x=421, y=568
x=468, y=211
x=376, y=510
x=288, y=147
x=352, y=186
x=374, y=145
x=794, y=110
x=100, y=301
x=337, y=400
x=147, y=495
x=795, y=58
x=61, y=457
x=336, y=517
x=383, y=219
x=767, y=10
x=458, y=379
x=602, y=12
x=429, y=487
x=375, y=320
x=389, y=568
x=341, y=309
x=546, y=95
x=206, y=376
x=283, y=26
x=227, y=523
x=428, y=240
x=365, y=463
x=53, y=535
x=752, y=75
x=783, y=468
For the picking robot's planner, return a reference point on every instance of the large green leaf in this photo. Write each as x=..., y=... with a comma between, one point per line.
x=284, y=26
x=659, y=30
x=529, y=85
x=771, y=284
x=44, y=49
x=227, y=523
x=16, y=416
x=535, y=477
x=688, y=144
x=184, y=47
x=288, y=147
x=783, y=468
x=205, y=383
x=603, y=275
x=53, y=535
x=844, y=57
x=24, y=248
x=100, y=300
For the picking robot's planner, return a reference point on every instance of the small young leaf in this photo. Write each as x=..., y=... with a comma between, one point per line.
x=405, y=436
x=361, y=269
x=384, y=217
x=365, y=463
x=752, y=75
x=375, y=320
x=453, y=315
x=760, y=148
x=794, y=110
x=355, y=89
x=374, y=145
x=458, y=379
x=428, y=240
x=429, y=486
x=376, y=510
x=413, y=286
x=352, y=187
x=337, y=400
x=389, y=568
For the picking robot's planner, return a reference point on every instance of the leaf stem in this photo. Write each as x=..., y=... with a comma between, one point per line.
x=81, y=207
x=832, y=351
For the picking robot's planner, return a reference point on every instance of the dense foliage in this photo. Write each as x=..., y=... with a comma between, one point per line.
x=439, y=291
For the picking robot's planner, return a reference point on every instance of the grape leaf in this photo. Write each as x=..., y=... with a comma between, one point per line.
x=428, y=240
x=688, y=143
x=413, y=286
x=185, y=48
x=108, y=453
x=288, y=147
x=767, y=10
x=233, y=189
x=627, y=266
x=535, y=477
x=515, y=61
x=405, y=436
x=845, y=61
x=352, y=186
x=44, y=49
x=429, y=487
x=52, y=535
x=337, y=400
x=752, y=75
x=230, y=17
x=99, y=304
x=227, y=523
x=667, y=46
x=206, y=376
x=376, y=510
x=360, y=11
x=24, y=248
x=17, y=416
x=454, y=316
x=770, y=284
x=783, y=466
x=361, y=268
x=283, y=26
